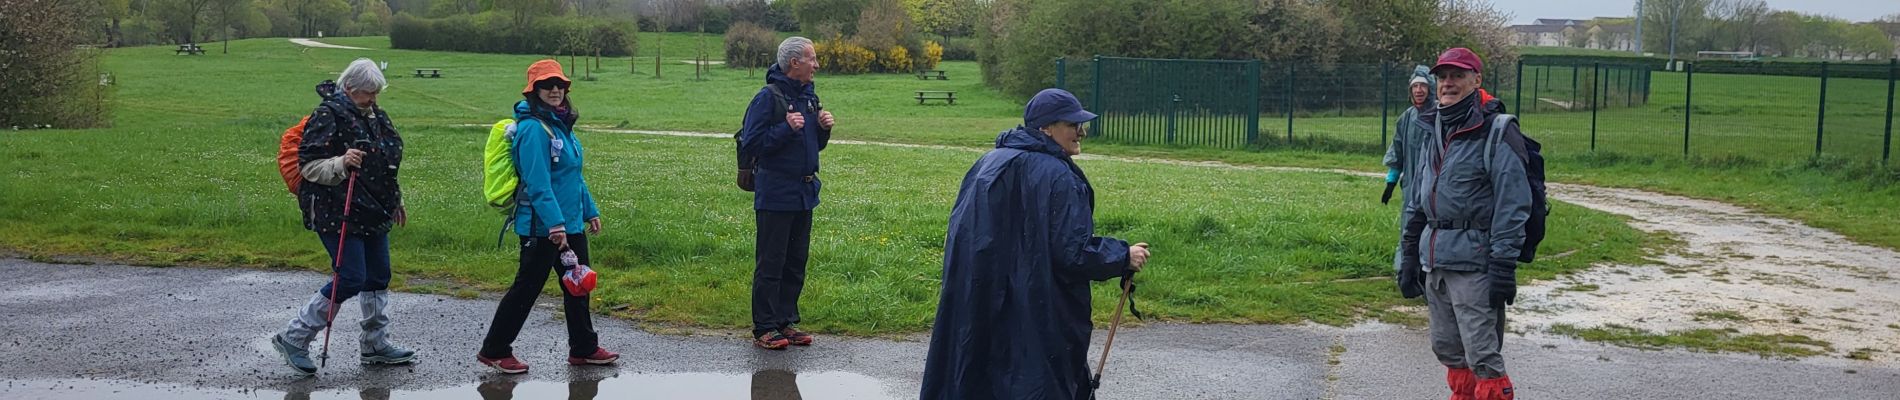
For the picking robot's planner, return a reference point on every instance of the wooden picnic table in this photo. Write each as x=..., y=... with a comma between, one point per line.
x=924, y=74
x=945, y=95
x=428, y=72
x=190, y=48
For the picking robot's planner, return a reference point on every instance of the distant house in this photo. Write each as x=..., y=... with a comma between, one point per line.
x=1600, y=33
x=1612, y=36
x=1559, y=22
x=1893, y=34
x=1542, y=35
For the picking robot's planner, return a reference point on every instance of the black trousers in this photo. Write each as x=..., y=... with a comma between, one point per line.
x=540, y=258
x=778, y=276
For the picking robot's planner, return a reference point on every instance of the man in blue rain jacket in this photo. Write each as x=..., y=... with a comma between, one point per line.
x=786, y=143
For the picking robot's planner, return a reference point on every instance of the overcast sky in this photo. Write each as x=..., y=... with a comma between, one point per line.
x=1523, y=11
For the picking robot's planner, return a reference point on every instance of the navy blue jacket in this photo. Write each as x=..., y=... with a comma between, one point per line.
x=1013, y=319
x=786, y=156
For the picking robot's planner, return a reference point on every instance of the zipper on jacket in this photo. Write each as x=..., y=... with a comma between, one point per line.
x=1438, y=175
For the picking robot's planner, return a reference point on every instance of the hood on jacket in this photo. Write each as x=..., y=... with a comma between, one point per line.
x=775, y=75
x=1491, y=105
x=1025, y=139
x=1431, y=83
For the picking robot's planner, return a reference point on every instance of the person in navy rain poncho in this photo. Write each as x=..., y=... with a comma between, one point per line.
x=1013, y=320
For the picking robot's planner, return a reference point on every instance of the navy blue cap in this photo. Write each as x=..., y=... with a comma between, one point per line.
x=1051, y=105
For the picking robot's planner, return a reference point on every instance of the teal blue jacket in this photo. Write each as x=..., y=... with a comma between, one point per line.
x=553, y=192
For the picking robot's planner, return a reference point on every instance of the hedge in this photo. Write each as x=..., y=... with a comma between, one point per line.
x=494, y=33
x=749, y=45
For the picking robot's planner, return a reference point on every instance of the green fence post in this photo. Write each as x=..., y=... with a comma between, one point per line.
x=1629, y=94
x=1385, y=102
x=1537, y=87
x=1886, y=146
x=1253, y=117
x=1173, y=105
x=1095, y=96
x=1648, y=74
x=1688, y=105
x=1289, y=103
x=1062, y=73
x=1341, y=82
x=1520, y=88
x=1596, y=74
x=1576, y=70
x=1820, y=118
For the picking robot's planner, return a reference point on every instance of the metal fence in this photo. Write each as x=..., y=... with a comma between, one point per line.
x=1173, y=101
x=1763, y=112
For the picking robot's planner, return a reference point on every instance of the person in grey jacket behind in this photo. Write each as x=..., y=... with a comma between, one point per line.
x=1401, y=159
x=1468, y=220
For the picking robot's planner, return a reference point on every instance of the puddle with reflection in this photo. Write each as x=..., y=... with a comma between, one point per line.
x=762, y=385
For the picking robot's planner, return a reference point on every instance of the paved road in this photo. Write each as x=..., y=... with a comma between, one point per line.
x=313, y=43
x=106, y=331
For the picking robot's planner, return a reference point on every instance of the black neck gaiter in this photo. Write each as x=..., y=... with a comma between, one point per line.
x=1455, y=115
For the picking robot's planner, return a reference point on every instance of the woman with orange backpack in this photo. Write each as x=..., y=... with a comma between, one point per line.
x=554, y=214
x=349, y=157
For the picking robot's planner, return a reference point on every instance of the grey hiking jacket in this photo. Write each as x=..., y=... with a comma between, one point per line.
x=1469, y=208
x=1407, y=138
x=1410, y=132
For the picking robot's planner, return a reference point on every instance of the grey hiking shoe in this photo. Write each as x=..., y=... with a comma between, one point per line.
x=391, y=355
x=297, y=358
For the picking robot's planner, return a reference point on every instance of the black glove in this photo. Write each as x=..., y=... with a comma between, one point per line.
x=1387, y=197
x=1411, y=273
x=1503, y=274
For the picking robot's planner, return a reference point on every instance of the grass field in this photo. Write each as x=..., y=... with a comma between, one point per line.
x=185, y=177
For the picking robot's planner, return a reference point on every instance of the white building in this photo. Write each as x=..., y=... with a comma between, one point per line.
x=1601, y=33
x=1542, y=35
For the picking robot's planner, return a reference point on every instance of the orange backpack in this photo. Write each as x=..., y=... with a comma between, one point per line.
x=287, y=156
x=287, y=162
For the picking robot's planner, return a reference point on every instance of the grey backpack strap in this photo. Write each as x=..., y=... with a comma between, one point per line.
x=1497, y=131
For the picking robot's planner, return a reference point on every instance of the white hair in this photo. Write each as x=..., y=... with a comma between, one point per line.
x=362, y=74
x=791, y=48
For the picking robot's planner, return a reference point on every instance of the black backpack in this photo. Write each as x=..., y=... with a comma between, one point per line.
x=1533, y=155
x=747, y=161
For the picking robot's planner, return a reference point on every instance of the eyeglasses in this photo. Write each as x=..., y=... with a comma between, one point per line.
x=551, y=84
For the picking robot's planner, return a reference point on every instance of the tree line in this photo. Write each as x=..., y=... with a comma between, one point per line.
x=1688, y=26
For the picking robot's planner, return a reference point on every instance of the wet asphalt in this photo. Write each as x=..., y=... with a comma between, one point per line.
x=111, y=332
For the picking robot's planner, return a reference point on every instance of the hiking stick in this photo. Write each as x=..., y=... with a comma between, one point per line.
x=349, y=192
x=1128, y=285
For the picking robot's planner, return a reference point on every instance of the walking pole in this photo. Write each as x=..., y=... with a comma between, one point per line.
x=1128, y=286
x=349, y=192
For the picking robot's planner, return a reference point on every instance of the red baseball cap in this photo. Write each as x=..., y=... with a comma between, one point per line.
x=1459, y=57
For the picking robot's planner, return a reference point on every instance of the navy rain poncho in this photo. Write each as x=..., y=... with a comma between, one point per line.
x=1013, y=319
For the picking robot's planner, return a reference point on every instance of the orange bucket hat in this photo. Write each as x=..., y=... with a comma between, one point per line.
x=542, y=70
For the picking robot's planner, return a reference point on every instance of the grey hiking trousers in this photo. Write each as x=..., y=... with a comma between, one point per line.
x=1466, y=329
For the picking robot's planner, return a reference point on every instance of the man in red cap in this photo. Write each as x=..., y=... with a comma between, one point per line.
x=1468, y=223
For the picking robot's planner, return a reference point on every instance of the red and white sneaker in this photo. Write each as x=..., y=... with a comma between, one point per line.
x=796, y=337
x=771, y=341
x=507, y=365
x=600, y=357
